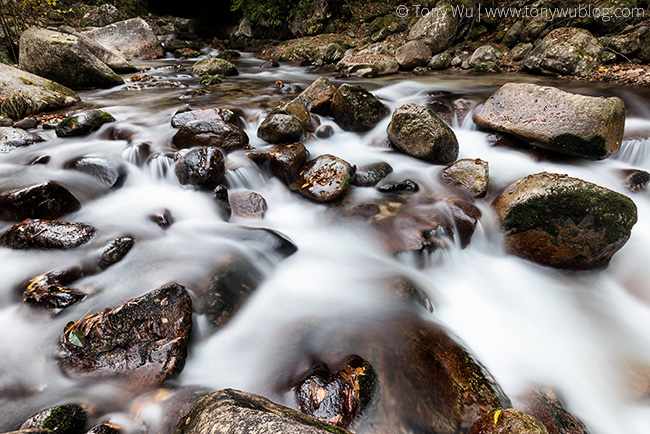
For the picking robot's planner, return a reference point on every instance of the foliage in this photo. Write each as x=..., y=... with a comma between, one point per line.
x=272, y=13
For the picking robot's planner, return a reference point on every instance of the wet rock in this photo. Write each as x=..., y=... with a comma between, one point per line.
x=412, y=54
x=337, y=394
x=324, y=179
x=46, y=234
x=318, y=96
x=115, y=251
x=64, y=419
x=233, y=116
x=83, y=123
x=43, y=159
x=173, y=44
x=356, y=109
x=507, y=421
x=548, y=409
x=511, y=36
x=564, y=222
x=50, y=290
x=132, y=39
x=270, y=63
x=102, y=16
x=142, y=342
x=164, y=218
x=214, y=66
x=215, y=132
x=186, y=53
x=26, y=124
x=105, y=428
x=440, y=61
x=635, y=179
x=218, y=412
x=231, y=284
x=285, y=161
x=471, y=175
x=420, y=133
x=299, y=110
x=43, y=201
x=220, y=196
x=405, y=186
x=520, y=51
x=248, y=204
x=159, y=411
x=281, y=127
x=32, y=431
x=12, y=138
x=405, y=289
x=65, y=59
x=485, y=68
x=465, y=216
x=202, y=166
x=370, y=175
x=325, y=132
x=368, y=65
x=563, y=122
x=100, y=169
x=262, y=238
x=565, y=51
x=436, y=29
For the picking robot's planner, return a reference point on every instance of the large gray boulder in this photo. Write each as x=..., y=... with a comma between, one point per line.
x=113, y=60
x=437, y=29
x=564, y=222
x=565, y=51
x=132, y=39
x=232, y=411
x=578, y=125
x=420, y=133
x=65, y=59
x=412, y=54
x=24, y=93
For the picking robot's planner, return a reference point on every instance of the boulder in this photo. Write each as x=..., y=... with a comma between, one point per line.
x=356, y=109
x=247, y=204
x=324, y=179
x=99, y=168
x=132, y=39
x=318, y=95
x=564, y=222
x=214, y=66
x=113, y=60
x=141, y=342
x=520, y=51
x=437, y=29
x=181, y=117
x=49, y=201
x=83, y=123
x=64, y=59
x=484, y=53
x=471, y=175
x=623, y=45
x=24, y=94
x=102, y=16
x=281, y=127
x=559, y=121
x=226, y=410
x=299, y=110
x=212, y=132
x=534, y=29
x=285, y=161
x=202, y=166
x=440, y=61
x=546, y=407
x=565, y=51
x=508, y=421
x=114, y=252
x=370, y=175
x=420, y=133
x=368, y=65
x=50, y=290
x=63, y=419
x=327, y=54
x=412, y=54
x=46, y=234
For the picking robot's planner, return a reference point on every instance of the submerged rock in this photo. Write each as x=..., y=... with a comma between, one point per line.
x=142, y=342
x=202, y=166
x=115, y=251
x=281, y=127
x=211, y=132
x=64, y=419
x=285, y=161
x=471, y=175
x=219, y=412
x=83, y=123
x=248, y=204
x=43, y=201
x=318, y=96
x=356, y=109
x=547, y=408
x=12, y=138
x=324, y=179
x=49, y=290
x=405, y=186
x=47, y=234
x=99, y=168
x=214, y=66
x=564, y=222
x=420, y=133
x=370, y=175
x=578, y=125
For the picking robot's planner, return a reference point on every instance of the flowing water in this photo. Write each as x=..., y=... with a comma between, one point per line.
x=529, y=325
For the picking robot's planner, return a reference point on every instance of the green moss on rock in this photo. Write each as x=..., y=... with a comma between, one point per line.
x=573, y=143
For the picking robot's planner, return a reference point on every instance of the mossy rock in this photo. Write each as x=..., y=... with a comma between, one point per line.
x=214, y=66
x=64, y=419
x=487, y=67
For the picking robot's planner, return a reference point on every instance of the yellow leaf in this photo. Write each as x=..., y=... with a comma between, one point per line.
x=496, y=416
x=478, y=181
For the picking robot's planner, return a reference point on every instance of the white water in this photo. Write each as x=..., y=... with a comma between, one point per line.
x=529, y=325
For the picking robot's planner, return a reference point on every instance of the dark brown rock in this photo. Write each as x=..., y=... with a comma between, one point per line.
x=161, y=410
x=219, y=412
x=299, y=110
x=471, y=175
x=141, y=342
x=547, y=408
x=248, y=204
x=508, y=421
x=318, y=96
x=406, y=186
x=635, y=179
x=83, y=123
x=325, y=132
x=465, y=217
x=64, y=419
x=50, y=290
x=164, y=218
x=285, y=161
x=115, y=251
x=370, y=175
x=47, y=234
x=202, y=166
x=324, y=179
x=281, y=127
x=43, y=201
x=356, y=109
x=212, y=132
x=405, y=289
x=220, y=195
x=102, y=170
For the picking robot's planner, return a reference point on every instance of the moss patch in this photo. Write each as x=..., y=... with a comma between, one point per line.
x=594, y=147
x=68, y=122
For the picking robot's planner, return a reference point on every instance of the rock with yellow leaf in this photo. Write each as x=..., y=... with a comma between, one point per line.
x=546, y=407
x=470, y=175
x=324, y=179
x=508, y=421
x=83, y=123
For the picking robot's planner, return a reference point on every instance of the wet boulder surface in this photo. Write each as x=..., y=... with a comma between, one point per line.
x=51, y=291
x=563, y=122
x=212, y=132
x=115, y=251
x=107, y=173
x=47, y=201
x=214, y=66
x=201, y=166
x=370, y=175
x=248, y=204
x=285, y=161
x=324, y=179
x=142, y=342
x=318, y=96
x=356, y=109
x=281, y=126
x=83, y=123
x=564, y=222
x=63, y=419
x=545, y=406
x=13, y=138
x=47, y=234
x=228, y=410
x=508, y=421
